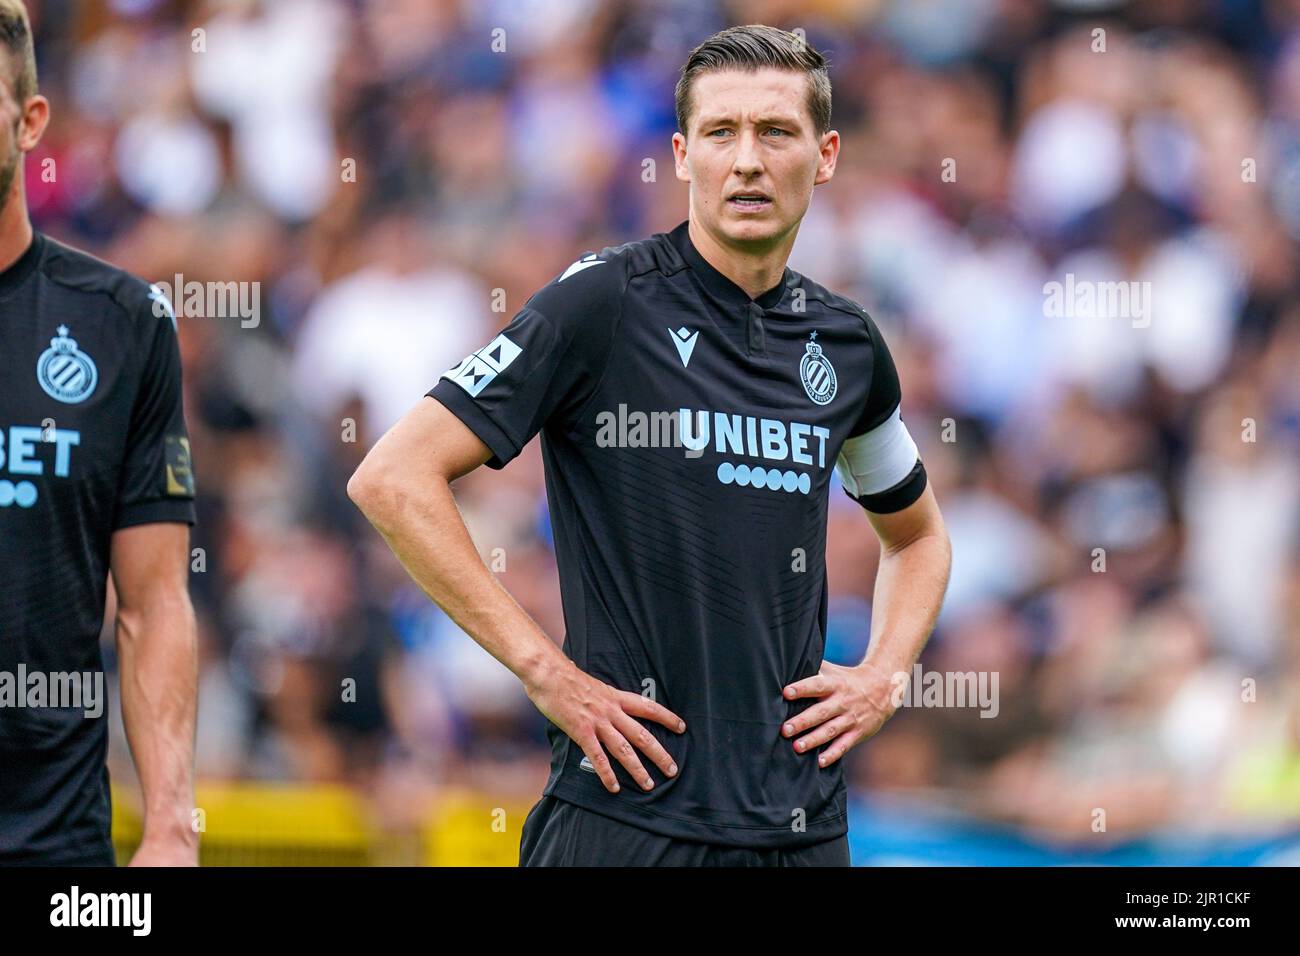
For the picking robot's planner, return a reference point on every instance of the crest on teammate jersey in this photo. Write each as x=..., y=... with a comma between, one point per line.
x=817, y=373
x=65, y=372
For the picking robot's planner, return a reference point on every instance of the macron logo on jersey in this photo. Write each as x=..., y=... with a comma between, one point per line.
x=479, y=368
x=685, y=340
x=586, y=262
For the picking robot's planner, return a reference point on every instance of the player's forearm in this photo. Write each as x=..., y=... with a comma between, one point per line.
x=424, y=529
x=910, y=585
x=157, y=648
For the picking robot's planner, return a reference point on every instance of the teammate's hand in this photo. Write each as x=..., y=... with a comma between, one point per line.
x=592, y=713
x=174, y=852
x=856, y=702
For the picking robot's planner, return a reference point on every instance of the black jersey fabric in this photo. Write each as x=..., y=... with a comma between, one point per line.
x=693, y=572
x=92, y=439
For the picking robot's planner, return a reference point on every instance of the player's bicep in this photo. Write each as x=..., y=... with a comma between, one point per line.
x=540, y=367
x=149, y=563
x=427, y=442
x=505, y=391
x=157, y=477
x=881, y=469
x=897, y=529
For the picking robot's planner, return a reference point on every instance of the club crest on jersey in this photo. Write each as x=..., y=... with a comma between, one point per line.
x=817, y=373
x=65, y=372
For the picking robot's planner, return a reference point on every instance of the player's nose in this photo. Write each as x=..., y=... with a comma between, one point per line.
x=747, y=159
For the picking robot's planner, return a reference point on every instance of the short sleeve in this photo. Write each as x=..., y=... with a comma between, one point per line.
x=879, y=464
x=157, y=482
x=543, y=366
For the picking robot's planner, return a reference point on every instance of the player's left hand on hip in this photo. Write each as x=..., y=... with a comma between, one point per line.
x=855, y=703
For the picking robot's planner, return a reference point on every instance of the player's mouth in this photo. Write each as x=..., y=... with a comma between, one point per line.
x=750, y=201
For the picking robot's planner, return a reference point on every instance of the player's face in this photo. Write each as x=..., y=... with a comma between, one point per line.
x=752, y=154
x=21, y=127
x=10, y=116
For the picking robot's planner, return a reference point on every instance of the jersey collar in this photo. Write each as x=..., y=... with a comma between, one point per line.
x=719, y=284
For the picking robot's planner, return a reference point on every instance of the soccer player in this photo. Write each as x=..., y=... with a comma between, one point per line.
x=694, y=395
x=95, y=478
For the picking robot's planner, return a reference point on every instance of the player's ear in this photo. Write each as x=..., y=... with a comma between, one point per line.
x=829, y=154
x=679, y=158
x=36, y=116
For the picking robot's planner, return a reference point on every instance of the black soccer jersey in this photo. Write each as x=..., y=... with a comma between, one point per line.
x=688, y=437
x=92, y=439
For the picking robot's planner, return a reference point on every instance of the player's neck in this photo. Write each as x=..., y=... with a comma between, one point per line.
x=15, y=227
x=755, y=272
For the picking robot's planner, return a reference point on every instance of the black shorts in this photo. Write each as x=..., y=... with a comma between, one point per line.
x=559, y=833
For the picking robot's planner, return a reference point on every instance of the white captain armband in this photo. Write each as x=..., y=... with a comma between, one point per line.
x=881, y=469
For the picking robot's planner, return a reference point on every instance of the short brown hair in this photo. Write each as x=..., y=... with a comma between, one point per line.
x=16, y=39
x=753, y=47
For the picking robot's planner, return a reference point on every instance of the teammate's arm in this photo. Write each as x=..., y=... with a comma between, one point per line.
x=158, y=663
x=149, y=563
x=403, y=488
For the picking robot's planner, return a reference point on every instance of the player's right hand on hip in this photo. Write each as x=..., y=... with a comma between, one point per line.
x=594, y=714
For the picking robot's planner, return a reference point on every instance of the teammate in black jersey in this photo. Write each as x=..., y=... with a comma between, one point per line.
x=95, y=478
x=693, y=395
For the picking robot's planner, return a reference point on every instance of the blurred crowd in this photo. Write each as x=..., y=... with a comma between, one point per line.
x=1122, y=490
